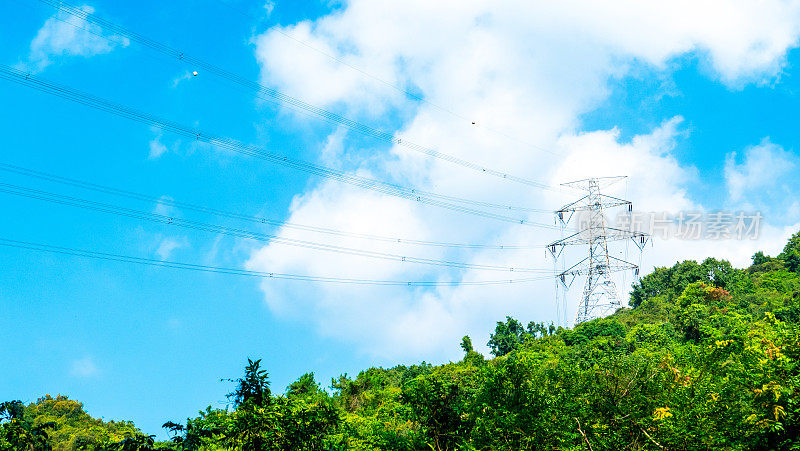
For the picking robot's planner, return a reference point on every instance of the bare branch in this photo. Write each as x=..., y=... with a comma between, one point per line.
x=585, y=439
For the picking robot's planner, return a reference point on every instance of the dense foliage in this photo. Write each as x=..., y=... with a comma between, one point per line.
x=59, y=424
x=705, y=358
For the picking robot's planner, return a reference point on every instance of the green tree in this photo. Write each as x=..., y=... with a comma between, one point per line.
x=707, y=358
x=466, y=344
x=440, y=402
x=305, y=386
x=253, y=387
x=791, y=253
x=138, y=442
x=18, y=433
x=670, y=282
x=74, y=428
x=759, y=258
x=507, y=337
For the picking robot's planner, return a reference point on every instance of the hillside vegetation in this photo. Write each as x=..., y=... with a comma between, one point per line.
x=705, y=358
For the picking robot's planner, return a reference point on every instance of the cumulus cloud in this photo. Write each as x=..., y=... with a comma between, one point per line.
x=760, y=170
x=429, y=45
x=84, y=367
x=527, y=70
x=66, y=35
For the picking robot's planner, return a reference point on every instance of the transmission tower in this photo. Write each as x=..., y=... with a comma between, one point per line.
x=600, y=296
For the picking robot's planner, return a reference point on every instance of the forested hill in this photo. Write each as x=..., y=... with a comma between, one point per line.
x=705, y=358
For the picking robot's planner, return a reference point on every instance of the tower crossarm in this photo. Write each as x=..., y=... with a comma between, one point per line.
x=592, y=229
x=622, y=234
x=585, y=267
x=603, y=202
x=599, y=182
x=585, y=237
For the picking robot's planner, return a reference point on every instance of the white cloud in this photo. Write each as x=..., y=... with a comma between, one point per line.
x=528, y=69
x=760, y=171
x=793, y=212
x=333, y=153
x=157, y=148
x=66, y=35
x=429, y=322
x=573, y=45
x=269, y=7
x=84, y=367
x=168, y=245
x=164, y=208
x=181, y=78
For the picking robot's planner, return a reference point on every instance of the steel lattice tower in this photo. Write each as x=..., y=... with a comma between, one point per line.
x=600, y=296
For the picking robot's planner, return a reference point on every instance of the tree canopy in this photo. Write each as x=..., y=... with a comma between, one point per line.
x=705, y=358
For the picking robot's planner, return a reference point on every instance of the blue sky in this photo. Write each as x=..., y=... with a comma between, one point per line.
x=687, y=122
x=719, y=119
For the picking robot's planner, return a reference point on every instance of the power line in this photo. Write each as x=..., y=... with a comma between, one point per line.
x=241, y=233
x=242, y=272
x=282, y=97
x=257, y=219
x=425, y=197
x=394, y=86
x=338, y=60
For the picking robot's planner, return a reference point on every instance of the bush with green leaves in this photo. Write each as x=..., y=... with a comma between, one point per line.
x=706, y=358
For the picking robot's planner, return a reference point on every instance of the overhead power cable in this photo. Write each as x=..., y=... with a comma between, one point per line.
x=404, y=91
x=425, y=197
x=263, y=90
x=257, y=219
x=242, y=272
x=240, y=233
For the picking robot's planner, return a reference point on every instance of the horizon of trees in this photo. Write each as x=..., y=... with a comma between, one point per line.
x=706, y=357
